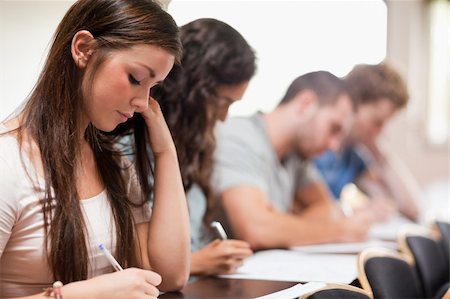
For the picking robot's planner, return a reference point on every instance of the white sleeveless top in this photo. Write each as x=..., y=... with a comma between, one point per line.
x=23, y=264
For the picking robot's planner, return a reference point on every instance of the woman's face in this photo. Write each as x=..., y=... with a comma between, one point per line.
x=227, y=95
x=121, y=85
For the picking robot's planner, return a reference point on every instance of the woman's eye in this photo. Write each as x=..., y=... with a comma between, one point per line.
x=133, y=80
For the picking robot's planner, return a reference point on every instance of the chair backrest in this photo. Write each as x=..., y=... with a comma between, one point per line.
x=444, y=233
x=338, y=291
x=384, y=273
x=428, y=258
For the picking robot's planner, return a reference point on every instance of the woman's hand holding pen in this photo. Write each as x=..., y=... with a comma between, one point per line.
x=219, y=257
x=131, y=283
x=159, y=135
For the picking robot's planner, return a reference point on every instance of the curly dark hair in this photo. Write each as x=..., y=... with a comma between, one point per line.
x=369, y=83
x=214, y=54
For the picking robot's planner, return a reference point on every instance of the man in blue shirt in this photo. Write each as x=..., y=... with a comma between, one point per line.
x=379, y=92
x=340, y=168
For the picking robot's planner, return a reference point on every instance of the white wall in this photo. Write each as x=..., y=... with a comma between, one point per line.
x=290, y=38
x=408, y=50
x=26, y=27
x=295, y=37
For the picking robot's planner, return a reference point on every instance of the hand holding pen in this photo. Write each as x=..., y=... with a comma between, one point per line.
x=221, y=256
x=218, y=230
x=126, y=283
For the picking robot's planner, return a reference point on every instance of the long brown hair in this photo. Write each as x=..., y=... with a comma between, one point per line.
x=52, y=114
x=214, y=54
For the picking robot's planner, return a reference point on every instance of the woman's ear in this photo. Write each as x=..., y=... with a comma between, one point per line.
x=82, y=48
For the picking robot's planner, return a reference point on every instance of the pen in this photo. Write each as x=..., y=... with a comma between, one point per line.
x=218, y=229
x=110, y=258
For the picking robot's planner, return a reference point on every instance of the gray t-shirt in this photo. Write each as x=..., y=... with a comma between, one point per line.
x=245, y=157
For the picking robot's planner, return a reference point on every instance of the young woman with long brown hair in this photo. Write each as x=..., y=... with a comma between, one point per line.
x=64, y=188
x=216, y=67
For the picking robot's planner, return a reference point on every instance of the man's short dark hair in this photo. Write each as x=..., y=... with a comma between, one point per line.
x=327, y=86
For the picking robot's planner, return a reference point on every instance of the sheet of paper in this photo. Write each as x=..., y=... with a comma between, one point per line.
x=348, y=248
x=295, y=291
x=388, y=230
x=290, y=265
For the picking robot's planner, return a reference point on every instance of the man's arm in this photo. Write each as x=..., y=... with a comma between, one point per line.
x=388, y=178
x=313, y=201
x=254, y=220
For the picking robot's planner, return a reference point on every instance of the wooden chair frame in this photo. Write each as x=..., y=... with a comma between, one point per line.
x=329, y=286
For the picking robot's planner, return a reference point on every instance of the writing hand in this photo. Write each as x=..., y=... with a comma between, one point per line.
x=220, y=257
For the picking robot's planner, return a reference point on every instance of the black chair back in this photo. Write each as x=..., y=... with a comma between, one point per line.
x=338, y=291
x=430, y=262
x=444, y=232
x=386, y=274
x=338, y=294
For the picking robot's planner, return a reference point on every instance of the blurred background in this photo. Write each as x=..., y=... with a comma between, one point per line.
x=292, y=38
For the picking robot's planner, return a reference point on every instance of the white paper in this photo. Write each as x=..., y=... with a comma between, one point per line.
x=289, y=265
x=388, y=230
x=348, y=248
x=295, y=291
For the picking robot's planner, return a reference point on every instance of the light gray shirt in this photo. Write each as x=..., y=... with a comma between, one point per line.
x=245, y=157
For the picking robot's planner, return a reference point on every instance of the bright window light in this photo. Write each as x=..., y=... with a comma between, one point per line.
x=438, y=118
x=294, y=37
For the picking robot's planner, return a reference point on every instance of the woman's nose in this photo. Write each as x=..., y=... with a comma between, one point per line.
x=141, y=100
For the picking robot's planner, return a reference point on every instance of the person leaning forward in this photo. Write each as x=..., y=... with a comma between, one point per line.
x=270, y=194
